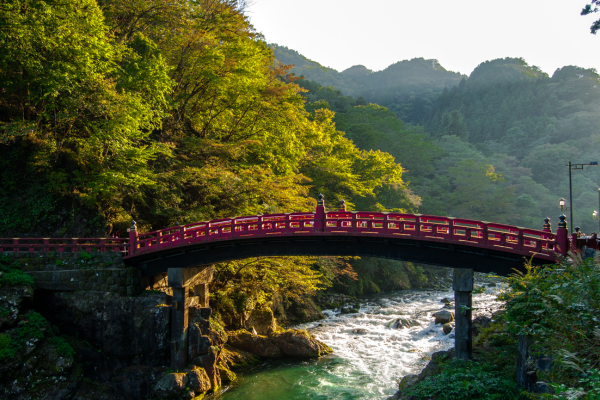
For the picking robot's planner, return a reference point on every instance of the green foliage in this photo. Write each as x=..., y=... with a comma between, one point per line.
x=241, y=286
x=16, y=277
x=467, y=380
x=84, y=256
x=558, y=307
x=63, y=348
x=7, y=350
x=12, y=275
x=34, y=327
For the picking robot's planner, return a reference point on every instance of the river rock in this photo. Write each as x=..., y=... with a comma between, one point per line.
x=360, y=331
x=447, y=328
x=349, y=310
x=291, y=343
x=403, y=323
x=198, y=380
x=261, y=346
x=443, y=317
x=262, y=321
x=301, y=344
x=445, y=300
x=171, y=386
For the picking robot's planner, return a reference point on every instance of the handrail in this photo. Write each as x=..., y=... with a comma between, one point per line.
x=355, y=223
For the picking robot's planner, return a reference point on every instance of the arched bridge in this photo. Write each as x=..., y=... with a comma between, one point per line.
x=180, y=256
x=444, y=241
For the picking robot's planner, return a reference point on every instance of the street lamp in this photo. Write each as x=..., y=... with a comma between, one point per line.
x=562, y=203
x=571, y=168
x=596, y=213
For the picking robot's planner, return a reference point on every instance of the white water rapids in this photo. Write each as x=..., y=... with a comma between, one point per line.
x=369, y=356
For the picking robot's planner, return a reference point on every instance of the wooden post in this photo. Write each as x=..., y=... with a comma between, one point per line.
x=132, y=238
x=320, y=214
x=562, y=236
x=462, y=283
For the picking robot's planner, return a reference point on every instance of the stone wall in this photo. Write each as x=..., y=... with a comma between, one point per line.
x=96, y=271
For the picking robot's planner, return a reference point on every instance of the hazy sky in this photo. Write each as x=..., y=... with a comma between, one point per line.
x=459, y=33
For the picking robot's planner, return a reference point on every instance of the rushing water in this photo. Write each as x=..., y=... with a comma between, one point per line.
x=368, y=354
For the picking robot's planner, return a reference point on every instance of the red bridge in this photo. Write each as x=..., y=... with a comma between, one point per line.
x=182, y=254
x=445, y=241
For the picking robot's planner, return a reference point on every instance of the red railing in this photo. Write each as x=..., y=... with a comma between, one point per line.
x=508, y=238
x=62, y=245
x=357, y=223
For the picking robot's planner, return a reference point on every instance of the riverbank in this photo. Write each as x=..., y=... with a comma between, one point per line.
x=371, y=351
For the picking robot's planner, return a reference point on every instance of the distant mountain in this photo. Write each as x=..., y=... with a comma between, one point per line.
x=408, y=88
x=314, y=71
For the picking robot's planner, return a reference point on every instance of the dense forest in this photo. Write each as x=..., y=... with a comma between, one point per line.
x=493, y=146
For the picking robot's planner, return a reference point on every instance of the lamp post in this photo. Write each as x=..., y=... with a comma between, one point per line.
x=571, y=168
x=596, y=214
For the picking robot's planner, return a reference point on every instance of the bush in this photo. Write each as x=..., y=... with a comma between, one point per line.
x=7, y=350
x=15, y=277
x=63, y=348
x=466, y=380
x=558, y=307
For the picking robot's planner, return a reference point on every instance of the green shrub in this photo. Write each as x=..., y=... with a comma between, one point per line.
x=7, y=349
x=466, y=380
x=36, y=327
x=63, y=348
x=15, y=277
x=558, y=307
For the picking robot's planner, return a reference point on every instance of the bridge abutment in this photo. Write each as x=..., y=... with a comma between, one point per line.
x=180, y=280
x=462, y=283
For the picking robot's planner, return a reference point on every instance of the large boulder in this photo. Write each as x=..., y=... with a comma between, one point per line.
x=262, y=321
x=300, y=343
x=291, y=343
x=443, y=317
x=209, y=362
x=171, y=386
x=261, y=346
x=198, y=380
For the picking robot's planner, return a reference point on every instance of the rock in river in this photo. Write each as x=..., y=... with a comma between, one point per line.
x=443, y=317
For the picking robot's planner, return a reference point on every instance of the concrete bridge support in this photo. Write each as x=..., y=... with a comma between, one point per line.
x=462, y=283
x=180, y=280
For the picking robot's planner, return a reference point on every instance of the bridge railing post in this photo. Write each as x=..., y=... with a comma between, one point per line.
x=320, y=214
x=562, y=237
x=132, y=238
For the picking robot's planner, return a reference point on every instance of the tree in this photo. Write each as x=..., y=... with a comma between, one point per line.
x=590, y=9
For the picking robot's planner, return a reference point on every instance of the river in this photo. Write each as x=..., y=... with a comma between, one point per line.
x=368, y=356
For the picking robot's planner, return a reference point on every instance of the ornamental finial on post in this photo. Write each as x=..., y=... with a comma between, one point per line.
x=320, y=200
x=562, y=223
x=342, y=206
x=547, y=226
x=133, y=226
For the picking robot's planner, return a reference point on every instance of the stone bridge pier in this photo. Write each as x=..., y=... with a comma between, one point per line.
x=190, y=289
x=462, y=283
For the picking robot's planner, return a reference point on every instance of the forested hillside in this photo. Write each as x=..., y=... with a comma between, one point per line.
x=493, y=147
x=408, y=88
